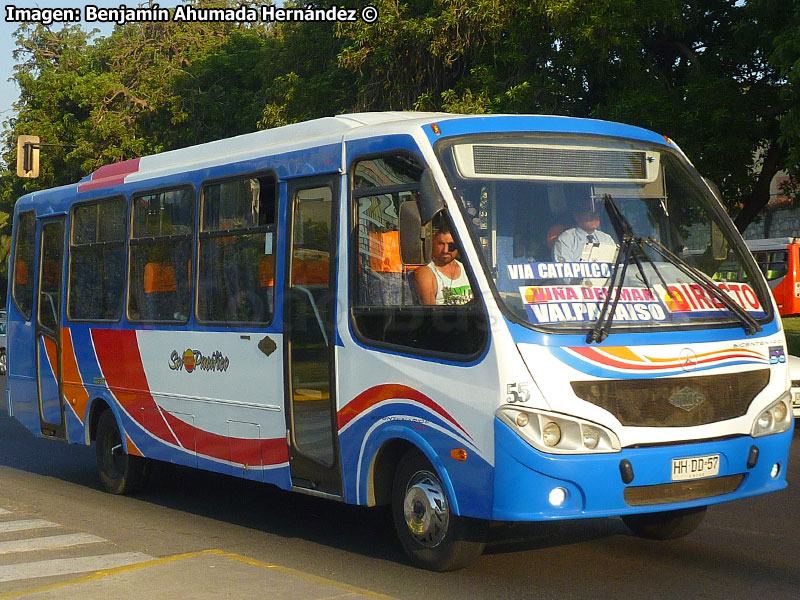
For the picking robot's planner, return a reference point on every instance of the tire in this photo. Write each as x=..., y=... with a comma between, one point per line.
x=120, y=473
x=433, y=537
x=667, y=525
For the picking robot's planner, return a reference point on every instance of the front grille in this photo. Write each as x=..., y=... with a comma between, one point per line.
x=559, y=162
x=682, y=491
x=675, y=402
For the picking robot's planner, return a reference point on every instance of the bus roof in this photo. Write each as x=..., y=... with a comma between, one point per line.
x=335, y=130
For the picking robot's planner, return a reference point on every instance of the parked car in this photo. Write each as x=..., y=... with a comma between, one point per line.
x=794, y=373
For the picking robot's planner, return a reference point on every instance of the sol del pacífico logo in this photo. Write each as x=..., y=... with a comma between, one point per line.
x=194, y=360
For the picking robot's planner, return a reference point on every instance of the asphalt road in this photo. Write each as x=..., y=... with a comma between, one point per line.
x=747, y=549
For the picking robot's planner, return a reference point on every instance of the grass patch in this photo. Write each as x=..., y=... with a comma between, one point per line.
x=791, y=326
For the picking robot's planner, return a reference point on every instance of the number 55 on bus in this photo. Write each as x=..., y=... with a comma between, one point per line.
x=467, y=318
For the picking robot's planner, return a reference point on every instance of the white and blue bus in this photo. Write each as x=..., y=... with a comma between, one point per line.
x=281, y=306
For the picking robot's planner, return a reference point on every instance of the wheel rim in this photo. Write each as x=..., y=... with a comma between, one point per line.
x=425, y=508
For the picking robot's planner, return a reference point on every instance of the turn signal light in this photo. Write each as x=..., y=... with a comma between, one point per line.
x=458, y=454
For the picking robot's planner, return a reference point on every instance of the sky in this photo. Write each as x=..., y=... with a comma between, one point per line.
x=8, y=90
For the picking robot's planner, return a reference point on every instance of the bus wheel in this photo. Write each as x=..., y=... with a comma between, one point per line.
x=667, y=525
x=120, y=473
x=432, y=536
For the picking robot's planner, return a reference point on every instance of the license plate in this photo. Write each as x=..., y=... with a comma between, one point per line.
x=695, y=467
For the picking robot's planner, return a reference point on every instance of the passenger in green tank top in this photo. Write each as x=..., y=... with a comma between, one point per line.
x=444, y=279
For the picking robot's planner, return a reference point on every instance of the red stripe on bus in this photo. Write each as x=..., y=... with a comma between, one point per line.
x=119, y=358
x=602, y=359
x=369, y=398
x=246, y=451
x=109, y=175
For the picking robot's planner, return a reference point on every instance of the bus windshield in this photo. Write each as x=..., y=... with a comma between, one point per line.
x=538, y=209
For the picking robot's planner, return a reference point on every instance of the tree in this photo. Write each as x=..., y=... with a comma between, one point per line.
x=718, y=76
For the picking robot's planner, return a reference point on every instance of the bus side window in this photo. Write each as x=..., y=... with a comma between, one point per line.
x=22, y=288
x=387, y=309
x=97, y=260
x=160, y=269
x=237, y=251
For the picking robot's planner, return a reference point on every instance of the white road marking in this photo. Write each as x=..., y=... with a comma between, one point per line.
x=66, y=566
x=26, y=524
x=49, y=542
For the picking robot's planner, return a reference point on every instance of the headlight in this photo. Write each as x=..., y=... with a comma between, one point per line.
x=776, y=418
x=558, y=434
x=551, y=434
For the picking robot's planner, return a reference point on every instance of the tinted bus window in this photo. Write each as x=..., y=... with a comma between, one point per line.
x=22, y=289
x=237, y=259
x=161, y=256
x=97, y=261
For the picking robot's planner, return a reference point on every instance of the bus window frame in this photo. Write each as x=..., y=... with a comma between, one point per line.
x=131, y=242
x=200, y=235
x=426, y=312
x=31, y=268
x=124, y=244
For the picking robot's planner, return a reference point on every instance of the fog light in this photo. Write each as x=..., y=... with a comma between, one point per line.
x=765, y=420
x=557, y=496
x=591, y=437
x=779, y=412
x=551, y=434
x=776, y=470
x=522, y=420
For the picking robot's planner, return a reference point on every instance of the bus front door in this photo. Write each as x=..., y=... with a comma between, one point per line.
x=48, y=328
x=310, y=337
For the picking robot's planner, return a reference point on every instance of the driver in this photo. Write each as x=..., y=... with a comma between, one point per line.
x=570, y=244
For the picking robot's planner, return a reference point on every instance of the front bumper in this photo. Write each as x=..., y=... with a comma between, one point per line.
x=525, y=476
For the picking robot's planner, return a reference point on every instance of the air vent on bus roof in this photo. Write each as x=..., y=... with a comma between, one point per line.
x=556, y=162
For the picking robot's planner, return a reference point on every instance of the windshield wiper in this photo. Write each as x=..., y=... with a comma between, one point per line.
x=751, y=326
x=630, y=244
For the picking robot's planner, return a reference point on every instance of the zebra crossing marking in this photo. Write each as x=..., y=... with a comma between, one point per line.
x=67, y=566
x=25, y=525
x=49, y=542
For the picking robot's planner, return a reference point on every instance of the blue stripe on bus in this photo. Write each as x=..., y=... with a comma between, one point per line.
x=499, y=125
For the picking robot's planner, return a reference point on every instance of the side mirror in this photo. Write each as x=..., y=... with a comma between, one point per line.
x=431, y=202
x=415, y=238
